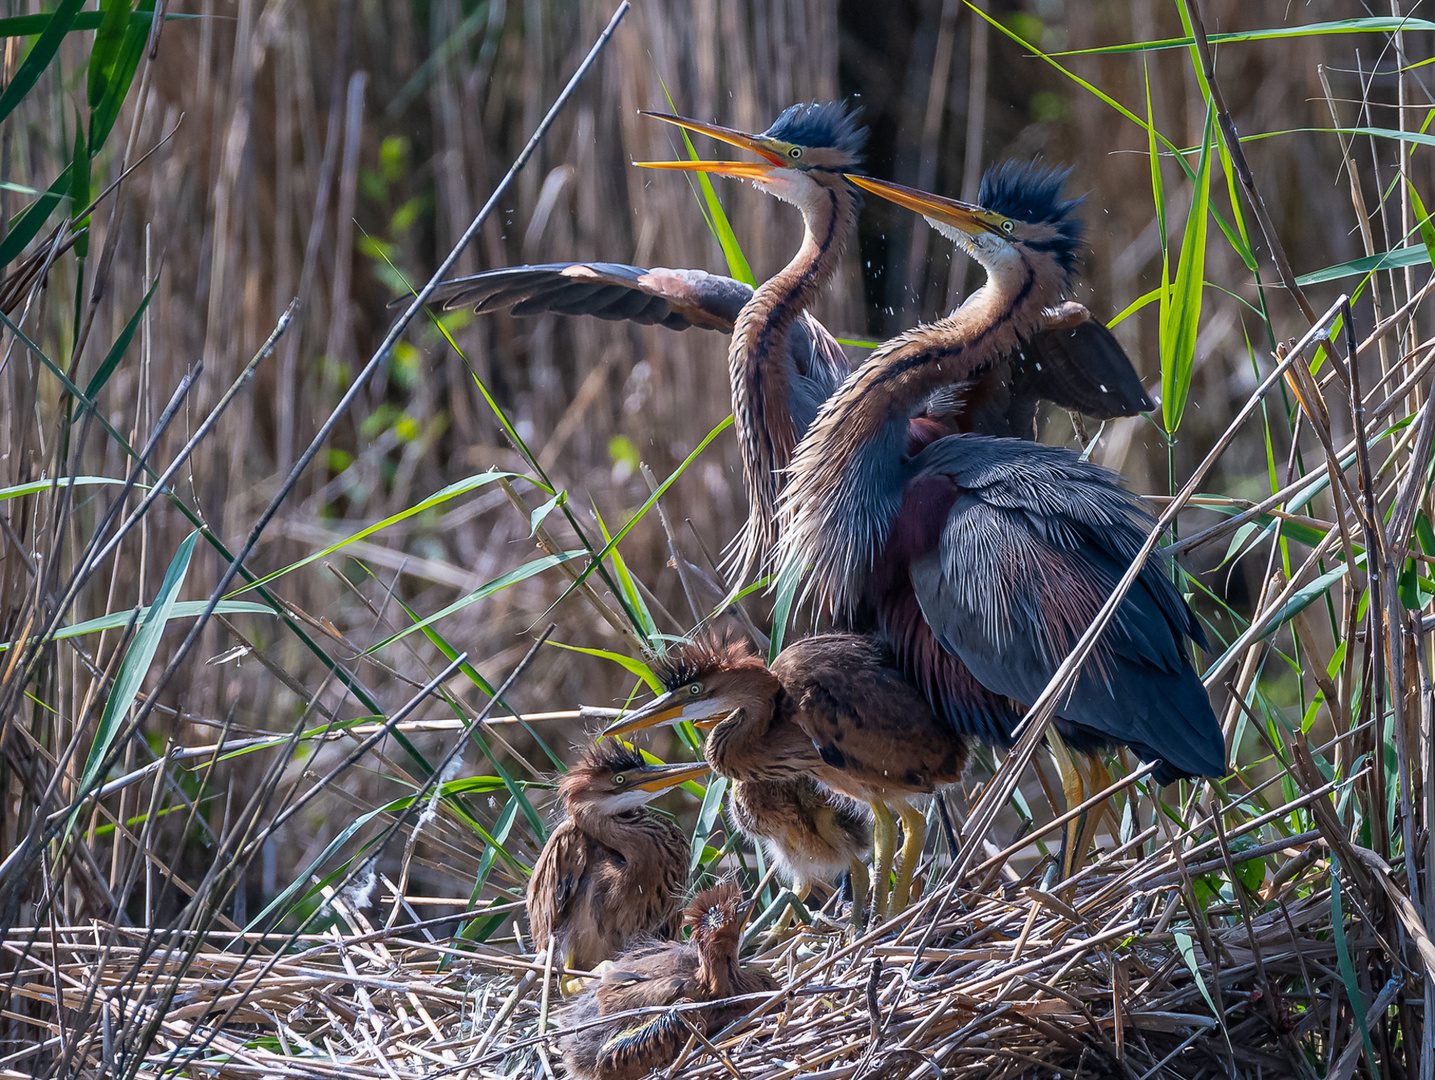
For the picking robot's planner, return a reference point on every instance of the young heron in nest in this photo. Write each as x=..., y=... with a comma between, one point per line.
x=611, y=870
x=982, y=560
x=833, y=707
x=703, y=968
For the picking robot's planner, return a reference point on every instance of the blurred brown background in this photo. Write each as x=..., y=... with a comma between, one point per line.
x=329, y=147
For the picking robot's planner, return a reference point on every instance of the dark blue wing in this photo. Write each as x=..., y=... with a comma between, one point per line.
x=1030, y=551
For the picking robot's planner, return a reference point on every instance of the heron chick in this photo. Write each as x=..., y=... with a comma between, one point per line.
x=612, y=870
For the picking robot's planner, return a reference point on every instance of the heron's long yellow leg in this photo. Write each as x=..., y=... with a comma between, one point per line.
x=1073, y=788
x=914, y=828
x=858, y=871
x=884, y=847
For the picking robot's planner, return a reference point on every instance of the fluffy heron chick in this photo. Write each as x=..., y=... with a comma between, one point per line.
x=656, y=975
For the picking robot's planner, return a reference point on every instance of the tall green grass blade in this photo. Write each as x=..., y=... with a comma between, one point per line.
x=1182, y=320
x=184, y=609
x=1343, y=961
x=80, y=191
x=787, y=582
x=30, y=25
x=1370, y=264
x=1423, y=223
x=630, y=587
x=136, y=663
x=105, y=53
x=717, y=220
x=707, y=816
x=1275, y=33
x=40, y=55
x=32, y=219
x=34, y=487
x=117, y=83
x=1231, y=234
x=498, y=584
x=443, y=495
x=642, y=511
x=117, y=350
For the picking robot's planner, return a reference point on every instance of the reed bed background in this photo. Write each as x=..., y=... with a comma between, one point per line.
x=294, y=845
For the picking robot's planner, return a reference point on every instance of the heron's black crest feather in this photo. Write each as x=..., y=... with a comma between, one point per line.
x=611, y=756
x=1030, y=191
x=692, y=661
x=826, y=124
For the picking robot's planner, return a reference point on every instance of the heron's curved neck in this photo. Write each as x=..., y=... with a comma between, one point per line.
x=716, y=963
x=756, y=359
x=631, y=833
x=740, y=747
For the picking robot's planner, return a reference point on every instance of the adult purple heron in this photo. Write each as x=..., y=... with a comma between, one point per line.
x=611, y=870
x=983, y=560
x=834, y=707
x=703, y=968
x=782, y=362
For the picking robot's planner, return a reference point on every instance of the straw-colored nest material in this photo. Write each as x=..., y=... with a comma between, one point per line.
x=1006, y=980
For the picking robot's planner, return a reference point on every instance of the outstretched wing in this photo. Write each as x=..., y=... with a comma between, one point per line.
x=677, y=299
x=1075, y=363
x=1033, y=545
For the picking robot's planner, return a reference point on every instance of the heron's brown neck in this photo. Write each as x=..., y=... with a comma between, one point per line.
x=633, y=834
x=757, y=361
x=717, y=957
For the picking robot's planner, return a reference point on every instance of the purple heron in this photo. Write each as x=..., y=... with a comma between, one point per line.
x=782, y=362
x=983, y=560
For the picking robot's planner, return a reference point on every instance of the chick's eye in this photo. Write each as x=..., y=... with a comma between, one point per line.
x=695, y=689
x=619, y=780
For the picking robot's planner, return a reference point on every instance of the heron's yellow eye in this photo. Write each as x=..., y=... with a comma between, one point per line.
x=619, y=780
x=795, y=153
x=1007, y=226
x=695, y=689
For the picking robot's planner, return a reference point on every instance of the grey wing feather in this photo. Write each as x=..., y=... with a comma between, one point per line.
x=676, y=299
x=1030, y=551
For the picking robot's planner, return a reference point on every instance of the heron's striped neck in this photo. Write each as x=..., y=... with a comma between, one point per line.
x=759, y=367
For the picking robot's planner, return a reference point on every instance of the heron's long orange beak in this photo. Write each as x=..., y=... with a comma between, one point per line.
x=657, y=778
x=748, y=170
x=671, y=708
x=967, y=217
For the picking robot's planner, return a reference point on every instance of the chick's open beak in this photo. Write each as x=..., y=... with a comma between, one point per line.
x=967, y=217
